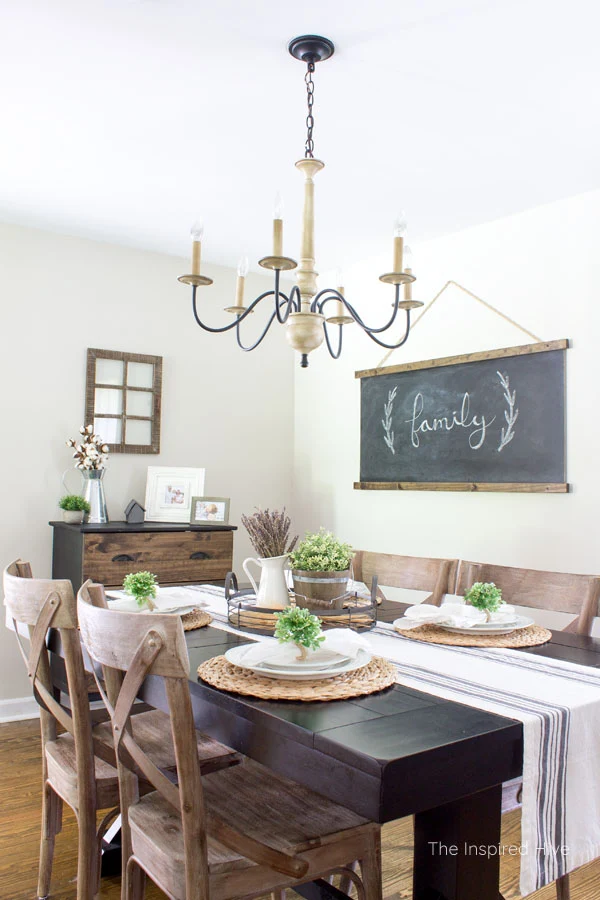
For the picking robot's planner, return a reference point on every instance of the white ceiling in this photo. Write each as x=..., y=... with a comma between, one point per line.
x=124, y=120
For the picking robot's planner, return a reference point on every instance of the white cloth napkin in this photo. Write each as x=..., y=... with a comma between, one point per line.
x=341, y=641
x=458, y=615
x=166, y=600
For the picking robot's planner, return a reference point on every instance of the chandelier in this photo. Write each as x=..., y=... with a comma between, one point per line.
x=311, y=316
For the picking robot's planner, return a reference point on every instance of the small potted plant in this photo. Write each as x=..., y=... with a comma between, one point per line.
x=300, y=627
x=321, y=569
x=485, y=596
x=73, y=507
x=142, y=586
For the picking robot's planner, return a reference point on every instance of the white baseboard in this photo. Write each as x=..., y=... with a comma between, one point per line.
x=18, y=709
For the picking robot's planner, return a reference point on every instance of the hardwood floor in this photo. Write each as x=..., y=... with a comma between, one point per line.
x=20, y=787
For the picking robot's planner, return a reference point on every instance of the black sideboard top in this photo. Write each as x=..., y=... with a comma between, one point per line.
x=120, y=527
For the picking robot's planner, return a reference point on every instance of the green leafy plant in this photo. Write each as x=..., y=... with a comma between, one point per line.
x=320, y=551
x=300, y=627
x=142, y=586
x=74, y=503
x=269, y=532
x=484, y=596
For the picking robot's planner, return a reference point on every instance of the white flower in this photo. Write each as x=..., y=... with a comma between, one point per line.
x=89, y=429
x=105, y=448
x=91, y=450
x=82, y=429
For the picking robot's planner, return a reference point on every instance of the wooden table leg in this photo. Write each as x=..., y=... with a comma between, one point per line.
x=457, y=849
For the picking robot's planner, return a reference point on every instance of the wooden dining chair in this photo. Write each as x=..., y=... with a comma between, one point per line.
x=418, y=573
x=237, y=833
x=78, y=766
x=554, y=591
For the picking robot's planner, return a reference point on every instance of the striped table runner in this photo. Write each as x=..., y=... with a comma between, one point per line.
x=559, y=706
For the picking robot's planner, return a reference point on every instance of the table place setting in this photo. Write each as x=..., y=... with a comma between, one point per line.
x=166, y=601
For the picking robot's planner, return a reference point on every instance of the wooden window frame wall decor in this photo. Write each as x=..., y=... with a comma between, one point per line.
x=155, y=390
x=546, y=487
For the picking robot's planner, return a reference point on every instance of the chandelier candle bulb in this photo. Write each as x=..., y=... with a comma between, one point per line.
x=277, y=237
x=196, y=231
x=398, y=251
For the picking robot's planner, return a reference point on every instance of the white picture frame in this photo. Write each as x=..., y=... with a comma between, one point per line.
x=169, y=492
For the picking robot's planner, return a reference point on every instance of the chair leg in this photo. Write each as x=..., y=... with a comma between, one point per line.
x=87, y=857
x=370, y=867
x=135, y=881
x=278, y=895
x=563, y=888
x=51, y=826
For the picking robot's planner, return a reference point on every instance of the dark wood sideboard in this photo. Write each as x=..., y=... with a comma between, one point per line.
x=175, y=553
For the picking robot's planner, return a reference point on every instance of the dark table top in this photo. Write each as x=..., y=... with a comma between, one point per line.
x=388, y=755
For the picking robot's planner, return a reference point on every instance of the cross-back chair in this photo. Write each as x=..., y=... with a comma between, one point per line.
x=554, y=591
x=417, y=573
x=78, y=766
x=236, y=833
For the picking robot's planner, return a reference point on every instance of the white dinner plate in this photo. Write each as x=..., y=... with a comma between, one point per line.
x=235, y=656
x=490, y=627
x=320, y=659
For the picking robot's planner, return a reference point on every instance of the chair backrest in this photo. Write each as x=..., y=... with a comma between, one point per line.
x=554, y=591
x=142, y=644
x=417, y=573
x=41, y=604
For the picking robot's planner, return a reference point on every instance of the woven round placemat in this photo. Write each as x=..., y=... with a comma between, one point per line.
x=433, y=634
x=197, y=618
x=375, y=676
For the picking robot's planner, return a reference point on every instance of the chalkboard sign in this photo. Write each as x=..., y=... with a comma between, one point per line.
x=483, y=421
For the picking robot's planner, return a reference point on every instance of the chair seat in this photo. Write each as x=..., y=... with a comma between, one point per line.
x=254, y=801
x=151, y=731
x=62, y=774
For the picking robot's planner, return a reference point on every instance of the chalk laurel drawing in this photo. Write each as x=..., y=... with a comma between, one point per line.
x=511, y=414
x=388, y=408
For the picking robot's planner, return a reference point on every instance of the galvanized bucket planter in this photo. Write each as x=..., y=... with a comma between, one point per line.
x=320, y=589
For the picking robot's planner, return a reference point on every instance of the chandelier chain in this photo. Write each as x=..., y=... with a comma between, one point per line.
x=309, y=147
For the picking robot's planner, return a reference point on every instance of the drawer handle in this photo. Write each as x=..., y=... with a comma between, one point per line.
x=199, y=554
x=123, y=557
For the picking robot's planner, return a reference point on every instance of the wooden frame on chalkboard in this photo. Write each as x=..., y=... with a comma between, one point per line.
x=472, y=486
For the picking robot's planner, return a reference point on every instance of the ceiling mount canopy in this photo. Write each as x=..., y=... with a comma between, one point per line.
x=308, y=312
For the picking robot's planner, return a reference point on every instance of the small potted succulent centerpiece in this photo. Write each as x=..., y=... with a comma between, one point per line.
x=269, y=535
x=321, y=569
x=74, y=507
x=300, y=627
x=486, y=597
x=143, y=586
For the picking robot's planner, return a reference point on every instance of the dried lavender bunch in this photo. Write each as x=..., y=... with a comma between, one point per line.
x=269, y=532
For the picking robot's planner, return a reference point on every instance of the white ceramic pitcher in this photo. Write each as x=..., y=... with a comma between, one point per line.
x=272, y=590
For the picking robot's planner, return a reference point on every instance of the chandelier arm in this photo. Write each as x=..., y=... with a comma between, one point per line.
x=318, y=304
x=232, y=324
x=393, y=346
x=273, y=316
x=288, y=301
x=336, y=354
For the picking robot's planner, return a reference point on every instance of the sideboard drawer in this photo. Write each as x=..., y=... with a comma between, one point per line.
x=174, y=557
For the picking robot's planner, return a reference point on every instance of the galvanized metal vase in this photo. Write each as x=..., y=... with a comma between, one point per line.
x=93, y=491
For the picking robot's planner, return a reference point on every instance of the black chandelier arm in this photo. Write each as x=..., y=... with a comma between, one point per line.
x=289, y=302
x=335, y=354
x=400, y=342
x=231, y=324
x=275, y=314
x=317, y=306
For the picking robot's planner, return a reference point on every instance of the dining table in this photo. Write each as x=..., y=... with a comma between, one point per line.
x=385, y=756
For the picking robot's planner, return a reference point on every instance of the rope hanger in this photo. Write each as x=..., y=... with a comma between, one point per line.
x=475, y=297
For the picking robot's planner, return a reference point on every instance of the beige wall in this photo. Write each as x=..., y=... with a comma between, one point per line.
x=542, y=268
x=222, y=409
